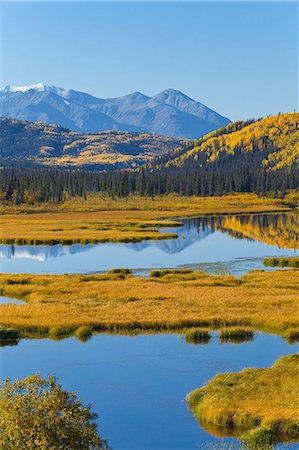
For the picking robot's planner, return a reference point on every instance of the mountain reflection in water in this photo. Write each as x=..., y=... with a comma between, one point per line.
x=210, y=240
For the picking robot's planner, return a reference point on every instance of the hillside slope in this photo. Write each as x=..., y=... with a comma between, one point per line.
x=272, y=143
x=169, y=113
x=41, y=144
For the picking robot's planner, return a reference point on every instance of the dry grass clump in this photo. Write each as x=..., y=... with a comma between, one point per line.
x=261, y=402
x=282, y=262
x=235, y=335
x=118, y=302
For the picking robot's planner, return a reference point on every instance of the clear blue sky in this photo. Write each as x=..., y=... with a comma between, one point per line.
x=239, y=58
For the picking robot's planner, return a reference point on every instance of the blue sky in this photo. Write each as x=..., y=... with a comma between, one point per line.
x=239, y=58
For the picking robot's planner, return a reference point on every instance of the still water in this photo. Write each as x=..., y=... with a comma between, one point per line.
x=224, y=244
x=138, y=385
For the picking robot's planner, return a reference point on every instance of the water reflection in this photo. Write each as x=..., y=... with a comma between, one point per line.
x=220, y=244
x=10, y=301
x=132, y=382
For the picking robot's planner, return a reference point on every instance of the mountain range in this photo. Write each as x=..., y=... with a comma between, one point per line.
x=26, y=143
x=169, y=113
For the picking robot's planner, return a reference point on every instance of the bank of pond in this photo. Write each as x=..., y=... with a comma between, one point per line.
x=140, y=386
x=168, y=355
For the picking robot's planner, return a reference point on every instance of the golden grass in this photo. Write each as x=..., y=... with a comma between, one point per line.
x=263, y=402
x=118, y=302
x=101, y=219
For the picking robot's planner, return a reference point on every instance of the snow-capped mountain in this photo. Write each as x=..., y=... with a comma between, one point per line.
x=171, y=112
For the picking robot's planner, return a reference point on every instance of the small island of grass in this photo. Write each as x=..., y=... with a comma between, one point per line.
x=260, y=406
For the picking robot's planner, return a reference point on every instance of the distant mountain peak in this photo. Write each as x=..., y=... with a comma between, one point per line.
x=37, y=87
x=170, y=113
x=176, y=92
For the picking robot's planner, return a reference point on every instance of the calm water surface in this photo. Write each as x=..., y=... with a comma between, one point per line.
x=8, y=300
x=215, y=245
x=138, y=384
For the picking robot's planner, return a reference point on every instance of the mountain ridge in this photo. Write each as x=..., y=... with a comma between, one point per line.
x=26, y=143
x=170, y=113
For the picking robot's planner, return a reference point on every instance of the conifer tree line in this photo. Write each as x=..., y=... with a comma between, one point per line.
x=257, y=156
x=22, y=185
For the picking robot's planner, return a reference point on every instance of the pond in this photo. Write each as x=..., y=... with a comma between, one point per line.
x=138, y=385
x=9, y=301
x=223, y=244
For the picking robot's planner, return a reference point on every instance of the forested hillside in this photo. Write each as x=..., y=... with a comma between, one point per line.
x=260, y=157
x=41, y=144
x=272, y=142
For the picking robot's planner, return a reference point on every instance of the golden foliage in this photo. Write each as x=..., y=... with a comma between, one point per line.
x=281, y=230
x=36, y=413
x=278, y=133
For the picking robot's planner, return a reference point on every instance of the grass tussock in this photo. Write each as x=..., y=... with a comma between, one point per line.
x=57, y=305
x=235, y=335
x=100, y=219
x=282, y=262
x=292, y=335
x=84, y=333
x=258, y=405
x=197, y=336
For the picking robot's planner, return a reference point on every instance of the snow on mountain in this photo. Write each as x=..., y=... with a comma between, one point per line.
x=170, y=113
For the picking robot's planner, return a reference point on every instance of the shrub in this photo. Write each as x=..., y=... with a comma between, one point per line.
x=36, y=413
